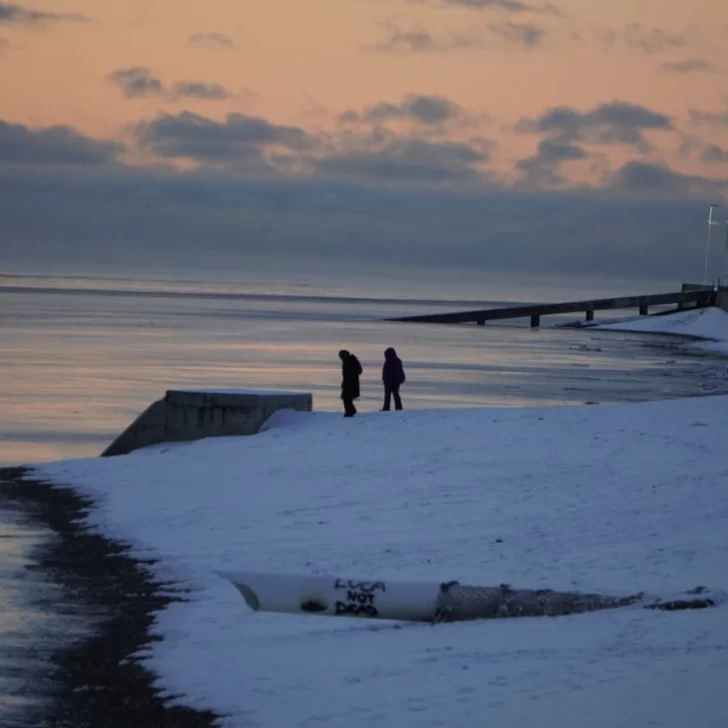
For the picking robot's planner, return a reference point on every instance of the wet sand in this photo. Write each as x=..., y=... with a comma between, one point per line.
x=95, y=681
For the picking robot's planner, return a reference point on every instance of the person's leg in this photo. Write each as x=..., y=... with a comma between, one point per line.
x=387, y=399
x=397, y=398
x=349, y=409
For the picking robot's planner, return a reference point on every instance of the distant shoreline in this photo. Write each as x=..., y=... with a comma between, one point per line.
x=97, y=679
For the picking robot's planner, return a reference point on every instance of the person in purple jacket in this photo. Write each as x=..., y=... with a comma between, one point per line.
x=392, y=377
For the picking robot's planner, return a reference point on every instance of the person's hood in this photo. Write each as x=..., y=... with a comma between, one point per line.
x=390, y=353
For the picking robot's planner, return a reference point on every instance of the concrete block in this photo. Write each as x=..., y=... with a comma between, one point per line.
x=184, y=416
x=232, y=398
x=147, y=429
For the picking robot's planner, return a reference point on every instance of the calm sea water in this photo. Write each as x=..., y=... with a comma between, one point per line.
x=81, y=357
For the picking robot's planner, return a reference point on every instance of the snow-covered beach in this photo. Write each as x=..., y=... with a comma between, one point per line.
x=612, y=499
x=707, y=327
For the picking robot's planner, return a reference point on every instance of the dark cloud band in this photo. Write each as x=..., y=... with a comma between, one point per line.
x=12, y=13
x=54, y=145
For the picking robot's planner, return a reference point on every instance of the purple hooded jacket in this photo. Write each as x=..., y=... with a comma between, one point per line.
x=392, y=371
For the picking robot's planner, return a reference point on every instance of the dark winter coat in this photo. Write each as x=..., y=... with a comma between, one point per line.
x=350, y=372
x=392, y=371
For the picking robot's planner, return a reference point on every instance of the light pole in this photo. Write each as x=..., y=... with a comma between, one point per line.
x=724, y=279
x=711, y=223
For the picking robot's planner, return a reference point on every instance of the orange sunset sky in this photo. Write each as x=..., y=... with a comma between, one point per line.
x=513, y=92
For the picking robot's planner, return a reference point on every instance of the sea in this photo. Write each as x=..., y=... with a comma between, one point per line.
x=82, y=354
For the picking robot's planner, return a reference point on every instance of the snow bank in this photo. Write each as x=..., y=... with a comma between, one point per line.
x=704, y=323
x=611, y=499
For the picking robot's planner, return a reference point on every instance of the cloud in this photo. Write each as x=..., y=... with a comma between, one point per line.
x=211, y=40
x=4, y=43
x=124, y=220
x=689, y=145
x=713, y=154
x=357, y=197
x=198, y=90
x=691, y=65
x=423, y=109
x=652, y=40
x=426, y=116
x=407, y=160
x=262, y=191
x=254, y=145
x=542, y=169
x=648, y=178
x=53, y=145
x=419, y=41
x=640, y=37
x=139, y=82
x=367, y=148
x=717, y=118
x=12, y=13
x=525, y=34
x=512, y=6
x=240, y=138
x=617, y=122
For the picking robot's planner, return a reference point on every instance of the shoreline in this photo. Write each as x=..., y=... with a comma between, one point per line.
x=97, y=680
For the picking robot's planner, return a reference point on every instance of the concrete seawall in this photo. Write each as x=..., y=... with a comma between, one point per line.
x=184, y=416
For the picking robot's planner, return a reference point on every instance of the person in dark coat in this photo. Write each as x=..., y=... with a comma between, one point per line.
x=350, y=372
x=393, y=378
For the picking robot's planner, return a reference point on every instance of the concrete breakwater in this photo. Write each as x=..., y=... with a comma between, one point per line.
x=184, y=416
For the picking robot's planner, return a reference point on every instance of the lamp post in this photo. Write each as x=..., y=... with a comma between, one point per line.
x=724, y=279
x=711, y=223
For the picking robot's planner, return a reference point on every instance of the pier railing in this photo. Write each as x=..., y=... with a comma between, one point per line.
x=683, y=299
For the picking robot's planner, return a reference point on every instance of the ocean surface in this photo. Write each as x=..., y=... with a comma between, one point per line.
x=80, y=357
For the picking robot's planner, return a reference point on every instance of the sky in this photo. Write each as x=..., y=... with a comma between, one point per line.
x=178, y=117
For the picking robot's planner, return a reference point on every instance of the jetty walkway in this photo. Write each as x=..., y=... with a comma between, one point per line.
x=690, y=297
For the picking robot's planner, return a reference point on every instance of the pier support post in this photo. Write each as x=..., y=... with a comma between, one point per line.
x=480, y=322
x=535, y=322
x=643, y=310
x=590, y=314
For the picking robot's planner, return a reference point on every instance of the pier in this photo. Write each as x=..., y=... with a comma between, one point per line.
x=689, y=296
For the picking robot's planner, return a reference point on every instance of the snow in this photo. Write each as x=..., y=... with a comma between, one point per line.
x=703, y=323
x=614, y=499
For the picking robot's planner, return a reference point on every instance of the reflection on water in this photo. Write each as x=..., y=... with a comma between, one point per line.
x=36, y=617
x=24, y=628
